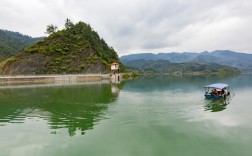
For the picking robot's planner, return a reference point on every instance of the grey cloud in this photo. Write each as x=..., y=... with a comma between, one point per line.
x=142, y=25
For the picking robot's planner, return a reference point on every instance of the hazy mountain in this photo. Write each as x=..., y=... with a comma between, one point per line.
x=164, y=66
x=172, y=57
x=241, y=61
x=13, y=42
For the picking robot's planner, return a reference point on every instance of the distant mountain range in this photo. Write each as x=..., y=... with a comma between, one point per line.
x=13, y=42
x=229, y=58
x=166, y=67
x=64, y=46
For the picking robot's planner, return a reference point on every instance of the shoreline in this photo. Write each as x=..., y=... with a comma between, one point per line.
x=15, y=79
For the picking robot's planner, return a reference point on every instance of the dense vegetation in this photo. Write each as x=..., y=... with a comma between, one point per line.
x=166, y=67
x=13, y=42
x=75, y=49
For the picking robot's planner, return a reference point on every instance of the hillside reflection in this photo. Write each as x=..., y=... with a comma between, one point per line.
x=74, y=107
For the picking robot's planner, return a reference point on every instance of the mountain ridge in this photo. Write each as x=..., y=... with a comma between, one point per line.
x=13, y=42
x=241, y=61
x=166, y=67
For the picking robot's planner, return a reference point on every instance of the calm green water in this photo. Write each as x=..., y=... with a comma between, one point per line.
x=142, y=117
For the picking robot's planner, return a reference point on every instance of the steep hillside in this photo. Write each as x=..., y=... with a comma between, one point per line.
x=164, y=66
x=13, y=42
x=76, y=49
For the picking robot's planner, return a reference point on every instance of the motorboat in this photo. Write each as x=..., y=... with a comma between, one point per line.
x=216, y=91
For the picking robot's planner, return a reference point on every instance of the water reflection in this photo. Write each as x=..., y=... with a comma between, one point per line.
x=72, y=107
x=216, y=105
x=168, y=82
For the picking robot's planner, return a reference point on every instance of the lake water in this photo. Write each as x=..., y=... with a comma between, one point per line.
x=148, y=116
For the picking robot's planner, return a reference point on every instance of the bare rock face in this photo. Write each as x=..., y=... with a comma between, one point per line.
x=77, y=49
x=24, y=64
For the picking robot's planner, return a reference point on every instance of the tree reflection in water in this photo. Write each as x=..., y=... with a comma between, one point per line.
x=71, y=107
x=217, y=105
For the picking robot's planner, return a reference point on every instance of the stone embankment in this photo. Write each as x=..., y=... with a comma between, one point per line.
x=53, y=78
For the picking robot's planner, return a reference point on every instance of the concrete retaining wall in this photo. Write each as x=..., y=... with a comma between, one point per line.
x=52, y=78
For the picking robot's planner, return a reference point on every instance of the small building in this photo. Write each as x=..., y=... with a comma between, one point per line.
x=115, y=66
x=115, y=71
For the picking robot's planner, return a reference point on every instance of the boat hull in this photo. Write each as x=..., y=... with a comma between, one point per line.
x=212, y=96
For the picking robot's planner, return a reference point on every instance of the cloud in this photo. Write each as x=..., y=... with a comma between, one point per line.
x=132, y=26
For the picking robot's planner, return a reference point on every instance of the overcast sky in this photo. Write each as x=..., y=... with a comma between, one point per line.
x=136, y=26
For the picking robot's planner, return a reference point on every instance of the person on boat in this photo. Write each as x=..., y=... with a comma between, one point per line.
x=216, y=92
x=212, y=92
x=223, y=91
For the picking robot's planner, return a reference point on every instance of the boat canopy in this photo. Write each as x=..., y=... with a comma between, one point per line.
x=217, y=85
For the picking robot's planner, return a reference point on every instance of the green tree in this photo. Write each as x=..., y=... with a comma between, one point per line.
x=68, y=23
x=50, y=29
